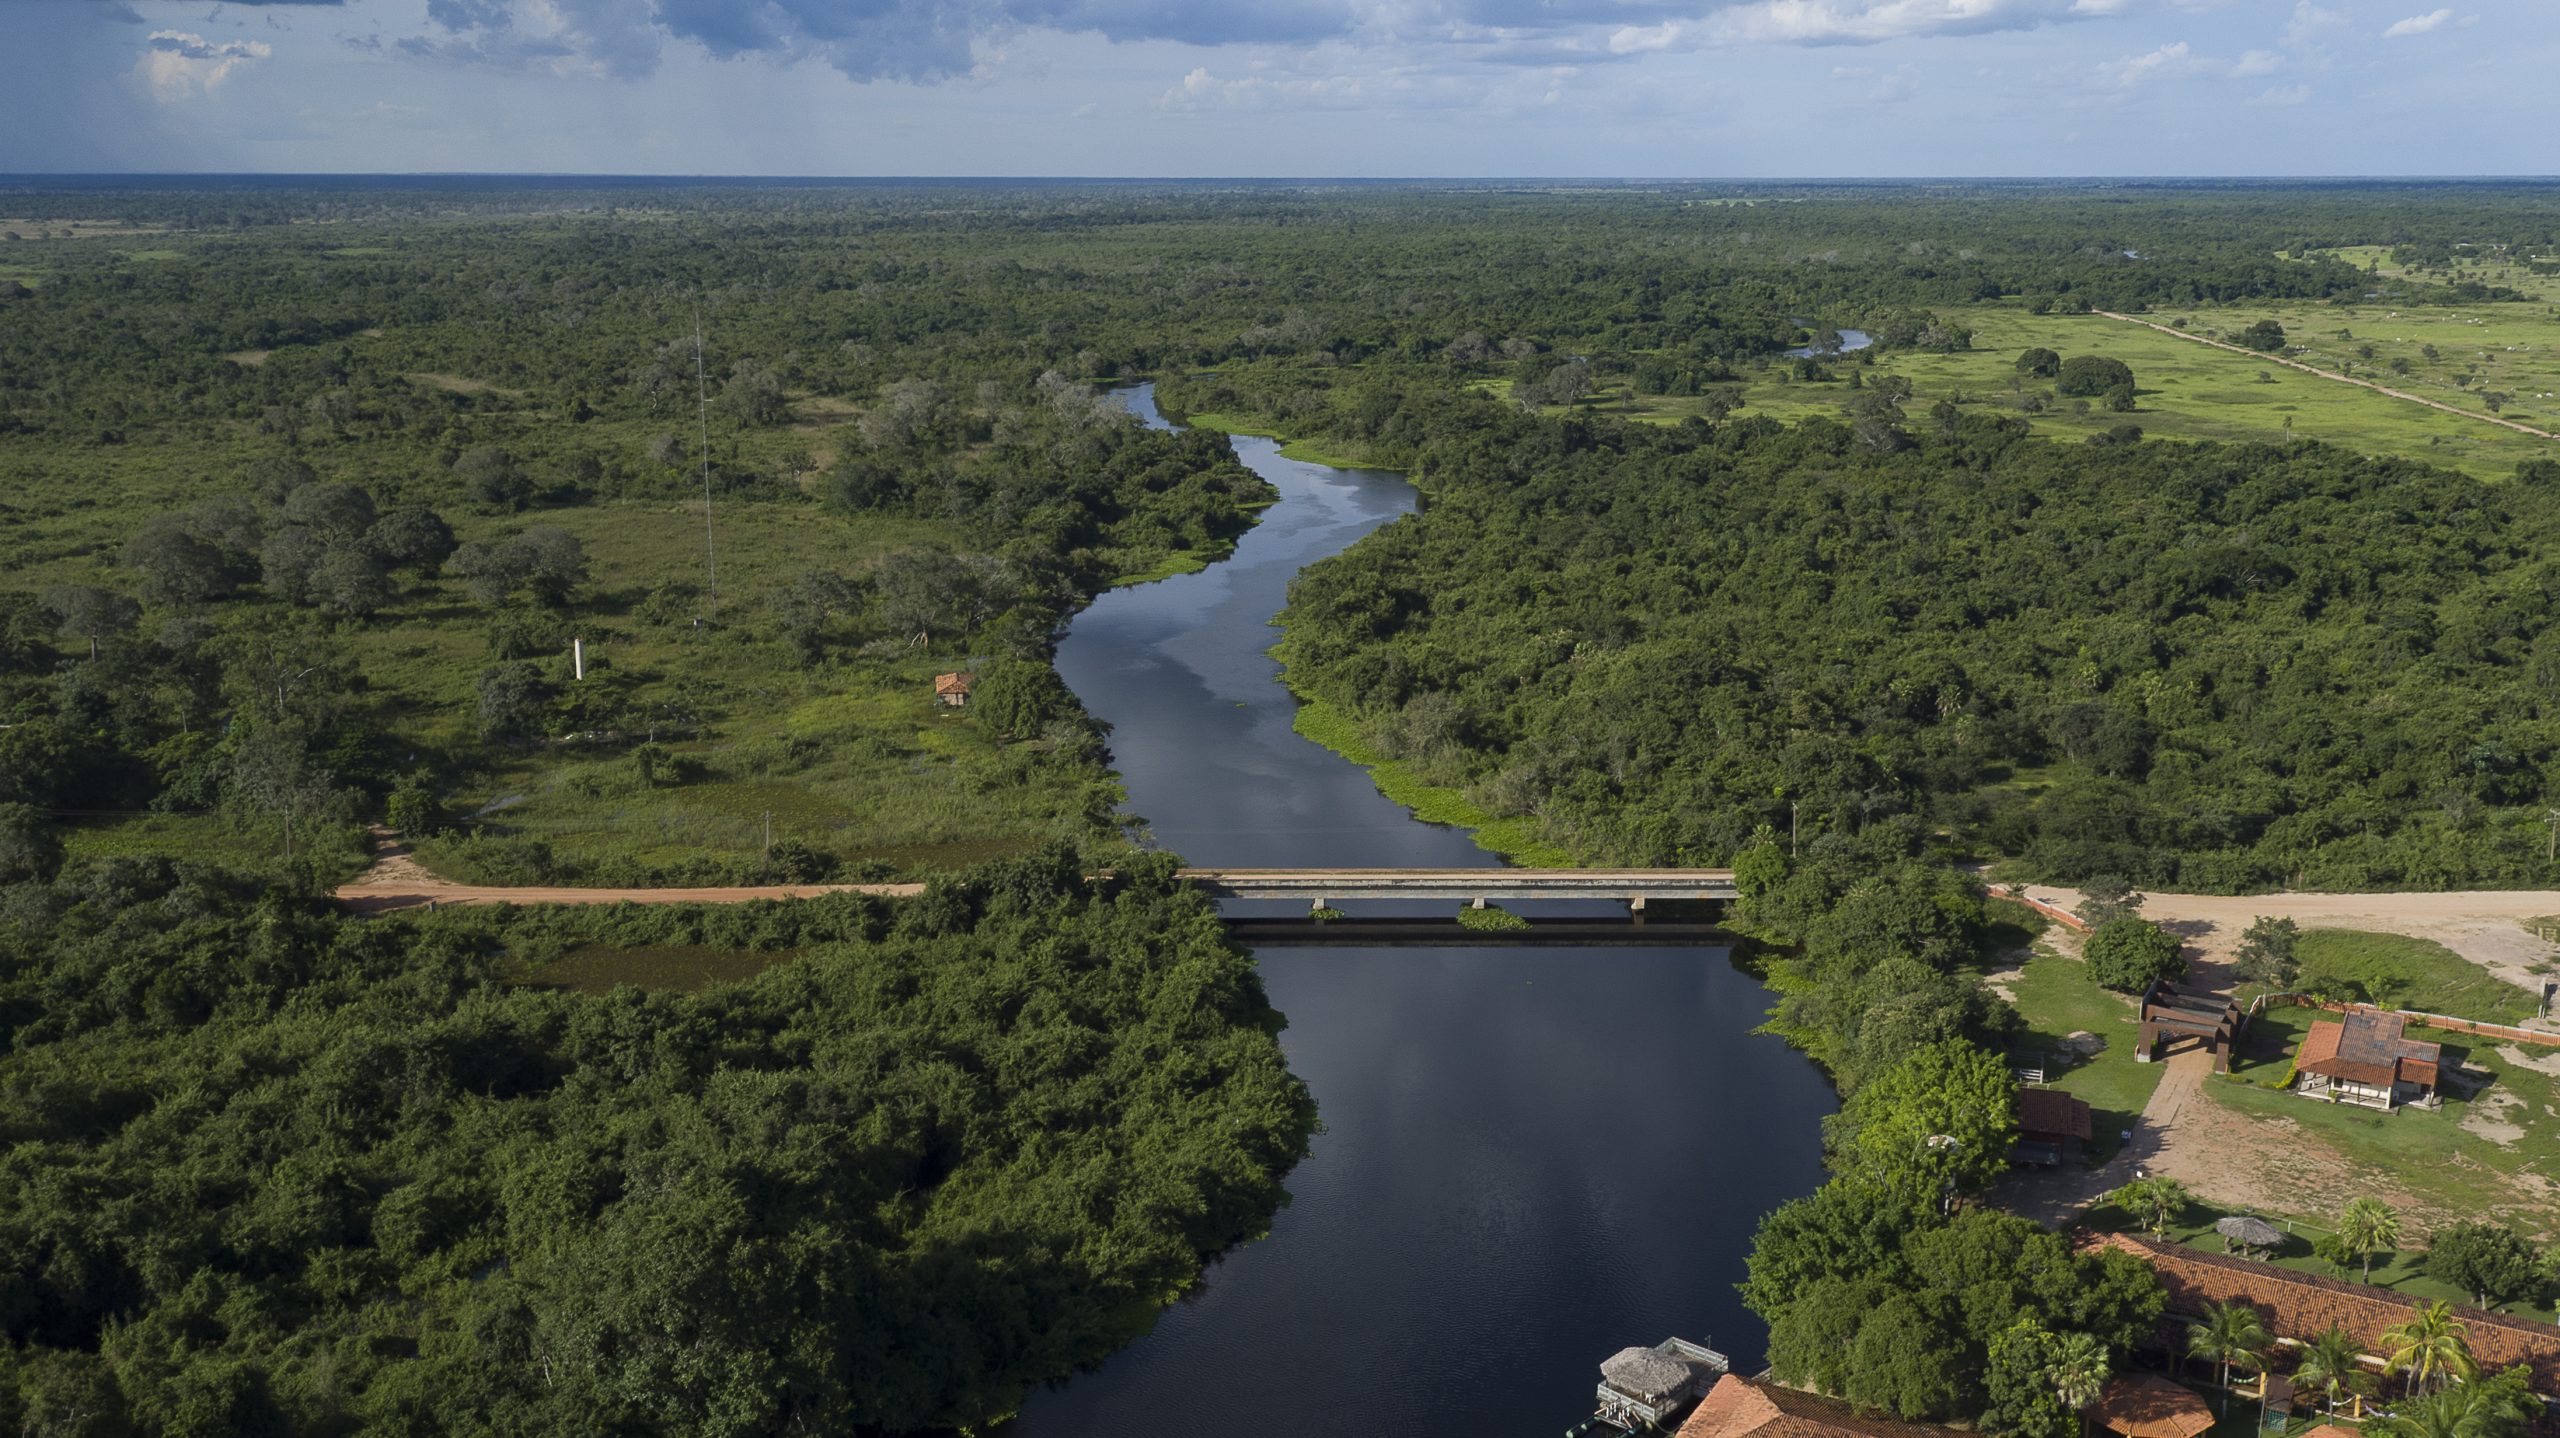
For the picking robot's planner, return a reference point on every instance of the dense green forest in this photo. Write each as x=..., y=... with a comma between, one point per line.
x=273, y=1170
x=305, y=490
x=2203, y=666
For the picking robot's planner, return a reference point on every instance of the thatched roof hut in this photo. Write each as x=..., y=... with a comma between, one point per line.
x=2242, y=1231
x=1644, y=1373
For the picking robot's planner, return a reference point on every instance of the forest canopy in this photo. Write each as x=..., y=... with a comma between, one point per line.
x=271, y=1169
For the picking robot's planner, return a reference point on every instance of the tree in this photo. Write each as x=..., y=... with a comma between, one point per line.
x=287, y=562
x=338, y=513
x=2367, y=1227
x=2266, y=953
x=490, y=475
x=350, y=580
x=546, y=561
x=414, y=537
x=272, y=769
x=1019, y=698
x=2230, y=1333
x=2155, y=1202
x=2333, y=1366
x=176, y=568
x=2040, y=362
x=2078, y=1369
x=2088, y=376
x=30, y=849
x=83, y=611
x=2488, y=1408
x=1937, y=1123
x=2431, y=1346
x=511, y=698
x=2130, y=955
x=2107, y=897
x=2489, y=1261
x=1835, y=1231
x=1898, y=1362
x=2268, y=336
x=805, y=607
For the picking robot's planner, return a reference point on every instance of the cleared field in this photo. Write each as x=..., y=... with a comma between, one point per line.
x=2186, y=390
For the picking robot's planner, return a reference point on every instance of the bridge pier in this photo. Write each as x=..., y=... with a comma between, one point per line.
x=1635, y=910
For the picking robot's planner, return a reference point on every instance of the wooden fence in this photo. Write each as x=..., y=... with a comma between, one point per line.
x=2507, y=1032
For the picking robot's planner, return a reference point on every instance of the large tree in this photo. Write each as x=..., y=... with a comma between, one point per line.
x=1936, y=1124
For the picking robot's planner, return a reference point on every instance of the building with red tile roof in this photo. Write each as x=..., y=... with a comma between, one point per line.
x=2146, y=1405
x=2366, y=1058
x=2297, y=1307
x=1739, y=1407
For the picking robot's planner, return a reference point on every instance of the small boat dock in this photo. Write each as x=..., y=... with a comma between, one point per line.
x=1642, y=1390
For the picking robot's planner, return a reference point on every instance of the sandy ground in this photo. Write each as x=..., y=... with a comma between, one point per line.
x=2484, y=926
x=398, y=881
x=2250, y=1162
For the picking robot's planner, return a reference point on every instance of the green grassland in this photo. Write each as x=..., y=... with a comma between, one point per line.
x=2057, y=998
x=2193, y=391
x=2401, y=1271
x=2397, y=971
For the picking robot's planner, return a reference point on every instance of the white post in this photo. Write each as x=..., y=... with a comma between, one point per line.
x=578, y=657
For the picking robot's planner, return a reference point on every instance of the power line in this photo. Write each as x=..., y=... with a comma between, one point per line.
x=702, y=411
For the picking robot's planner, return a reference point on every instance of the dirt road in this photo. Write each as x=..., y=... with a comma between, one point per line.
x=398, y=881
x=2333, y=374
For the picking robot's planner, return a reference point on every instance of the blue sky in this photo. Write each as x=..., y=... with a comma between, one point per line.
x=1633, y=88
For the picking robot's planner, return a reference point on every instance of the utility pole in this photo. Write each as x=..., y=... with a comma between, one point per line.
x=702, y=415
x=2551, y=850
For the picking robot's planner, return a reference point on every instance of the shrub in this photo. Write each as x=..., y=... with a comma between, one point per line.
x=2092, y=375
x=2130, y=955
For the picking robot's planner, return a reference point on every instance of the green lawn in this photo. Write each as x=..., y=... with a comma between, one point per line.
x=2057, y=998
x=600, y=968
x=2403, y=1271
x=2511, y=1172
x=2399, y=972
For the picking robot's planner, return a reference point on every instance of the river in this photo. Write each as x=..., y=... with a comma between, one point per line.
x=1531, y=1157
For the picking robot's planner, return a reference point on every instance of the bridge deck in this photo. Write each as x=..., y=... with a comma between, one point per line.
x=1464, y=883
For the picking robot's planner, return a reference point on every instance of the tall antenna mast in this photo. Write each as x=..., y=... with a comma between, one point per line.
x=702, y=412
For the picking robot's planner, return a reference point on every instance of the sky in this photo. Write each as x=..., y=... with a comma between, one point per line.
x=1379, y=88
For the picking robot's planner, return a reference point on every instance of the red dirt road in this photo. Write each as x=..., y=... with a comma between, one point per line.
x=398, y=881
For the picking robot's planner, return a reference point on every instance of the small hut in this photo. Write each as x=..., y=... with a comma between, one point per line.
x=1641, y=1387
x=951, y=691
x=2052, y=1127
x=2146, y=1405
x=2247, y=1234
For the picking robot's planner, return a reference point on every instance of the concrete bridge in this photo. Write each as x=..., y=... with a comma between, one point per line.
x=1474, y=886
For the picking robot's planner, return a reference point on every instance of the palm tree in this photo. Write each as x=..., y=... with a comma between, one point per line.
x=2466, y=1410
x=2431, y=1347
x=2155, y=1203
x=2078, y=1368
x=2369, y=1226
x=2230, y=1333
x=2333, y=1364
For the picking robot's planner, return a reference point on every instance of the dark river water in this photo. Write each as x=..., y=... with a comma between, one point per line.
x=1531, y=1157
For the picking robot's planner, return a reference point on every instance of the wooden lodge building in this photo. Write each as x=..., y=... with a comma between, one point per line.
x=2172, y=1016
x=2365, y=1058
x=2297, y=1307
x=952, y=690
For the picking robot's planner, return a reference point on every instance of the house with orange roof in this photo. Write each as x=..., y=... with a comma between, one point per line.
x=2366, y=1058
x=1739, y=1407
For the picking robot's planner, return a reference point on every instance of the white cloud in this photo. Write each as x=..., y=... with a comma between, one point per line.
x=1865, y=22
x=2308, y=21
x=2283, y=95
x=2256, y=62
x=177, y=64
x=2418, y=24
x=2171, y=59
